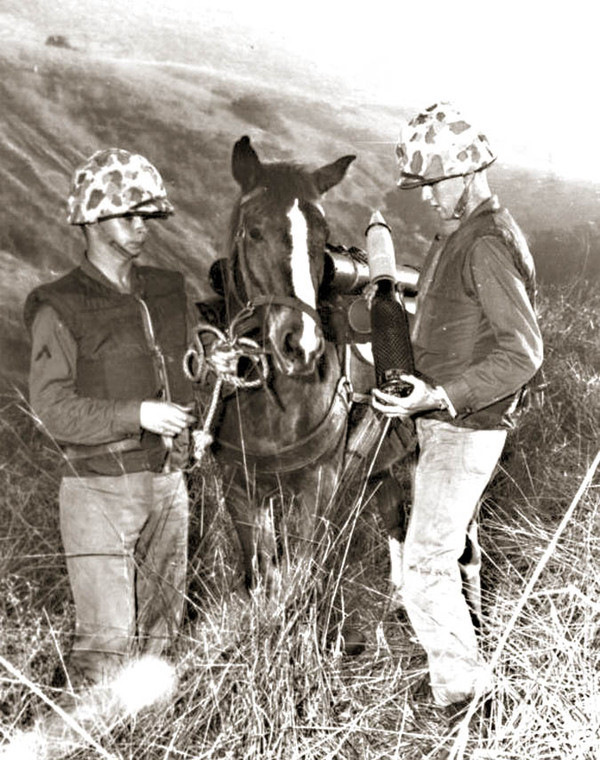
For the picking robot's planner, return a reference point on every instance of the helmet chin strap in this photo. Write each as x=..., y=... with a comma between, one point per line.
x=462, y=202
x=119, y=248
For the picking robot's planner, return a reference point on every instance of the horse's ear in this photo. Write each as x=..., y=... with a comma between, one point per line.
x=330, y=175
x=245, y=164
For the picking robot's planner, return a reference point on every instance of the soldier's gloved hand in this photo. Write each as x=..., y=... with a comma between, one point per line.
x=165, y=417
x=422, y=398
x=222, y=359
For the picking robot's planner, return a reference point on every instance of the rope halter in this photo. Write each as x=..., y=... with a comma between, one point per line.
x=197, y=363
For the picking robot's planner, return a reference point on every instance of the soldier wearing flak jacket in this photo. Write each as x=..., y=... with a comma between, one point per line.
x=106, y=381
x=476, y=339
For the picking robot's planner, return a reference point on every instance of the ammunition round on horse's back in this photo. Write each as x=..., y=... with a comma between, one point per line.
x=380, y=249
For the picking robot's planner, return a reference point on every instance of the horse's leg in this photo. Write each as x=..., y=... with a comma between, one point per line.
x=286, y=535
x=394, y=467
x=255, y=522
x=266, y=547
x=304, y=527
x=322, y=517
x=391, y=481
x=239, y=500
x=391, y=499
x=278, y=535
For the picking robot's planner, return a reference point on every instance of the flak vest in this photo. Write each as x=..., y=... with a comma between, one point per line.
x=129, y=347
x=451, y=287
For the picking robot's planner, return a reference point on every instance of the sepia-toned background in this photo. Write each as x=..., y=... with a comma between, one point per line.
x=179, y=82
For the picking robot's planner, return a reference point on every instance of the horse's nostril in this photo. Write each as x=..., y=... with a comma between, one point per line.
x=291, y=343
x=293, y=350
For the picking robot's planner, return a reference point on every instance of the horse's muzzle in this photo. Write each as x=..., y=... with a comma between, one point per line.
x=297, y=343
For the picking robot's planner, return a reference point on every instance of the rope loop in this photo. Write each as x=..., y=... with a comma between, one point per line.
x=197, y=362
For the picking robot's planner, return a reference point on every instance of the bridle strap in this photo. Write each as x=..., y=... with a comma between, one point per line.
x=290, y=301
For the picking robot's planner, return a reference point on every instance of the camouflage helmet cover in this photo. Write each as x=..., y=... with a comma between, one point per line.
x=115, y=182
x=439, y=144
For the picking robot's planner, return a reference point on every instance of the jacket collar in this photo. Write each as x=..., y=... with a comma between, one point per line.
x=92, y=271
x=489, y=204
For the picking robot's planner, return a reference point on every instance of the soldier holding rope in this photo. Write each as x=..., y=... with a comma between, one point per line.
x=107, y=382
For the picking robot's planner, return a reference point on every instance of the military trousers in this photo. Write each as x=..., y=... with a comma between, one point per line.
x=125, y=541
x=442, y=557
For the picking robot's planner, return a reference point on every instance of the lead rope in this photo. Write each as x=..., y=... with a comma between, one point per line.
x=196, y=365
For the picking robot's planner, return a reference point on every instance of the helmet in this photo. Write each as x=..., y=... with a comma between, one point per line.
x=114, y=182
x=439, y=144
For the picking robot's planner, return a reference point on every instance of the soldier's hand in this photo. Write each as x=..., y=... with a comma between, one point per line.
x=165, y=417
x=422, y=397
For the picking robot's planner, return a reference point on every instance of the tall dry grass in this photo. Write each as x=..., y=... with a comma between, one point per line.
x=257, y=678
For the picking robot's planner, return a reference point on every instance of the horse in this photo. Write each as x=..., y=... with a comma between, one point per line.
x=286, y=436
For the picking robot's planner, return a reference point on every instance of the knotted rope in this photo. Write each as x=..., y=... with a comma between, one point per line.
x=197, y=363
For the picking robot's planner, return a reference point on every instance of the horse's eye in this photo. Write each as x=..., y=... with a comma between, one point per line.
x=255, y=234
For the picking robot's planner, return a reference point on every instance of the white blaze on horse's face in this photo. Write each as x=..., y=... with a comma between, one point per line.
x=302, y=282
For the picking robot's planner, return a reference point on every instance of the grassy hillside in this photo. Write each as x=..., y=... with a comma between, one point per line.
x=59, y=105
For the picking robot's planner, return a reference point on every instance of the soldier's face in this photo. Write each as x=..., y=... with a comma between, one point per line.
x=125, y=234
x=443, y=196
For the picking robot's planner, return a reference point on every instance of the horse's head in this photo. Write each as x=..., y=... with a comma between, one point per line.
x=277, y=248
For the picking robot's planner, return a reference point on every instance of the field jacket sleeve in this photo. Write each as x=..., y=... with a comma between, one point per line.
x=63, y=413
x=517, y=350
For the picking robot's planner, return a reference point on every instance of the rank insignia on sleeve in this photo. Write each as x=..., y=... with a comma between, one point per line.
x=43, y=352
